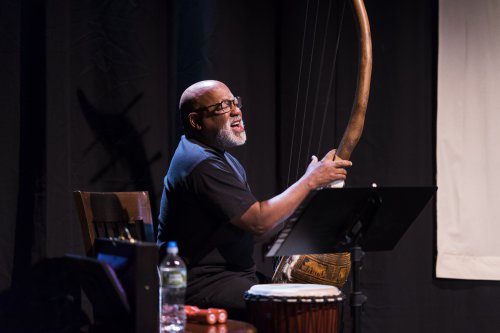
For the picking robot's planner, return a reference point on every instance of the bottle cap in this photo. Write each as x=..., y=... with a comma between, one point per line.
x=172, y=247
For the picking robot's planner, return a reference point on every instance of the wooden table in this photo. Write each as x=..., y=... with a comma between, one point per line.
x=232, y=326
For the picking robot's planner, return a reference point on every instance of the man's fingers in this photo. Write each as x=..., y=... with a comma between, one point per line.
x=314, y=160
x=342, y=171
x=343, y=164
x=330, y=155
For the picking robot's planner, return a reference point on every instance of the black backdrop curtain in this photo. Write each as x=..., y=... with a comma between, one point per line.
x=89, y=93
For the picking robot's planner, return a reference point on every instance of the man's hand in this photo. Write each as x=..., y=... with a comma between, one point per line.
x=326, y=171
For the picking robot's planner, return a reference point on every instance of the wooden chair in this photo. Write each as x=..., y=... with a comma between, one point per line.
x=124, y=215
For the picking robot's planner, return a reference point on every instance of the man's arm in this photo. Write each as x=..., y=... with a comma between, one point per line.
x=263, y=216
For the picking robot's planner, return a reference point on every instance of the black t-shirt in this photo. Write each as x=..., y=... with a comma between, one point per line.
x=204, y=189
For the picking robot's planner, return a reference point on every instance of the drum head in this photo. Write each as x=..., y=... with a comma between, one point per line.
x=294, y=290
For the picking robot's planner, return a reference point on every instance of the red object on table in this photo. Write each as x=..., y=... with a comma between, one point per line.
x=205, y=316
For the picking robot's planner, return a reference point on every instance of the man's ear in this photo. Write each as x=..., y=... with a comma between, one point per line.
x=194, y=121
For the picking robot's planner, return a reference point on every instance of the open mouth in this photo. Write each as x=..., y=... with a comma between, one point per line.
x=238, y=125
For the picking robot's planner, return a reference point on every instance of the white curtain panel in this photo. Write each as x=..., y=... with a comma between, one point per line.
x=468, y=140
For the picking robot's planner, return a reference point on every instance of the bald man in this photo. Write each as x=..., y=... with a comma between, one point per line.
x=207, y=205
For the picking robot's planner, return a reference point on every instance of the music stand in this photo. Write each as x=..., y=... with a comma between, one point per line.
x=356, y=219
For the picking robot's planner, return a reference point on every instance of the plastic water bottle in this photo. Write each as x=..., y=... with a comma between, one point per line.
x=172, y=291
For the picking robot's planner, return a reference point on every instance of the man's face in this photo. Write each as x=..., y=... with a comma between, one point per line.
x=225, y=130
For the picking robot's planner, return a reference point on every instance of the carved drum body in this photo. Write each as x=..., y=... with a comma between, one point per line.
x=284, y=308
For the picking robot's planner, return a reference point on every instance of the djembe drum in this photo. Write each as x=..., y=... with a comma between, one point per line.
x=285, y=308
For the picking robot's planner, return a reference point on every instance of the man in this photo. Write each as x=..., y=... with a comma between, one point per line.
x=207, y=205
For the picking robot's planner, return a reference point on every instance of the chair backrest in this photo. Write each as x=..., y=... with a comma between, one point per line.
x=114, y=215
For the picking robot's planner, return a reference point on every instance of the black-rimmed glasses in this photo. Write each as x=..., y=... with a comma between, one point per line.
x=223, y=107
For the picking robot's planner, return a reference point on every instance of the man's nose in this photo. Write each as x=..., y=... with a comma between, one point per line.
x=235, y=111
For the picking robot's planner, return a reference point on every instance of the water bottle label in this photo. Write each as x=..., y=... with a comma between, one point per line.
x=176, y=279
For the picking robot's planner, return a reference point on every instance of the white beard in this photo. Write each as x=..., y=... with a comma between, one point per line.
x=227, y=138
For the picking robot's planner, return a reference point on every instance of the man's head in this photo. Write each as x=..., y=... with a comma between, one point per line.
x=211, y=114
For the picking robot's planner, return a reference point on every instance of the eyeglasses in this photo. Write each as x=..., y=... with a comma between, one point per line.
x=223, y=107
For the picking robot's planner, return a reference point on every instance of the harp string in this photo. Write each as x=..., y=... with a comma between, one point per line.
x=299, y=148
x=308, y=85
x=297, y=96
x=332, y=75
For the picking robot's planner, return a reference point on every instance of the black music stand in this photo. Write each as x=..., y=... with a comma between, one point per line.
x=355, y=219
